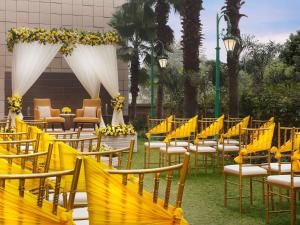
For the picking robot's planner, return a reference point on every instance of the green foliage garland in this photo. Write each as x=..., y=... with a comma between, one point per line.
x=67, y=37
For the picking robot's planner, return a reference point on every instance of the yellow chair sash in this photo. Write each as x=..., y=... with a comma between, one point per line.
x=110, y=200
x=212, y=130
x=185, y=130
x=262, y=143
x=234, y=131
x=286, y=147
x=15, y=210
x=164, y=127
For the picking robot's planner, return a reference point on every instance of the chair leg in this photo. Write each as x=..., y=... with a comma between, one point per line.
x=52, y=126
x=225, y=189
x=293, y=207
x=75, y=126
x=145, y=157
x=267, y=204
x=63, y=126
x=241, y=193
x=196, y=163
x=251, y=191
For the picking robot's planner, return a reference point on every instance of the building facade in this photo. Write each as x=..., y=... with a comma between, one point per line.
x=58, y=81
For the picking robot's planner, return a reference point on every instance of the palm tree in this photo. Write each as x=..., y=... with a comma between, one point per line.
x=165, y=35
x=191, y=41
x=232, y=9
x=135, y=24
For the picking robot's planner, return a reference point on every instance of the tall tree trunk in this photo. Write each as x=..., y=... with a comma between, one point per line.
x=165, y=35
x=232, y=9
x=134, y=89
x=191, y=40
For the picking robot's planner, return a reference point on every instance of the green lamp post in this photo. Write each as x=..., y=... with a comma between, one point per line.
x=229, y=42
x=163, y=61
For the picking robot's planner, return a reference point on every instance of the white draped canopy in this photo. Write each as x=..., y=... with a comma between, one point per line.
x=92, y=65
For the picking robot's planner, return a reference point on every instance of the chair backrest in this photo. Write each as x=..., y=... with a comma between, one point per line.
x=210, y=127
x=93, y=102
x=66, y=134
x=33, y=158
x=41, y=102
x=109, y=155
x=7, y=136
x=42, y=187
x=42, y=125
x=157, y=172
x=21, y=146
x=233, y=127
x=88, y=144
x=251, y=145
x=159, y=127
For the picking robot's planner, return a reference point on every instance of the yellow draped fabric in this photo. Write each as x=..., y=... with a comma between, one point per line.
x=287, y=146
x=235, y=130
x=164, y=127
x=15, y=210
x=185, y=130
x=212, y=130
x=261, y=143
x=112, y=203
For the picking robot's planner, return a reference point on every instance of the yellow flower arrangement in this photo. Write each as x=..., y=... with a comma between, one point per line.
x=118, y=102
x=66, y=109
x=103, y=148
x=14, y=104
x=116, y=130
x=67, y=37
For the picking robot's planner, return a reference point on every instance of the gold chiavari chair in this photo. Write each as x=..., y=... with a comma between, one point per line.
x=184, y=133
x=42, y=177
x=111, y=179
x=205, y=141
x=255, y=153
x=157, y=131
x=290, y=182
x=229, y=143
x=41, y=124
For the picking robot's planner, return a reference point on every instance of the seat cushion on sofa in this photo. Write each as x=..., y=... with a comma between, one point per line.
x=55, y=119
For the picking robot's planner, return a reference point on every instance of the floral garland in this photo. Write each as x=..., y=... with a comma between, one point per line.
x=14, y=104
x=67, y=37
x=118, y=102
x=117, y=130
x=66, y=110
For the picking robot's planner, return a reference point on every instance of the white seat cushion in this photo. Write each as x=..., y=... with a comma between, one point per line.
x=81, y=222
x=179, y=143
x=207, y=142
x=228, y=148
x=90, y=112
x=284, y=168
x=80, y=198
x=231, y=142
x=171, y=149
x=246, y=170
x=44, y=111
x=80, y=213
x=23, y=148
x=203, y=149
x=155, y=144
x=283, y=180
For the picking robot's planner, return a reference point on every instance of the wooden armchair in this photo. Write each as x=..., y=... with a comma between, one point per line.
x=54, y=114
x=89, y=113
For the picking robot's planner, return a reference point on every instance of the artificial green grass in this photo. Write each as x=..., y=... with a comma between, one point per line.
x=203, y=199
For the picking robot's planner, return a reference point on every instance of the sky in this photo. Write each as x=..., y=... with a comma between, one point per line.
x=267, y=20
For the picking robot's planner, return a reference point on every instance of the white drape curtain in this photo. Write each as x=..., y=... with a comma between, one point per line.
x=103, y=61
x=28, y=63
x=79, y=64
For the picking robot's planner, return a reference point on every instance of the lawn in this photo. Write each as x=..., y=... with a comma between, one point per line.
x=203, y=199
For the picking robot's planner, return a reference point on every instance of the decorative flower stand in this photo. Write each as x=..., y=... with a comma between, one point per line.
x=120, y=141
